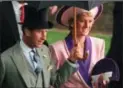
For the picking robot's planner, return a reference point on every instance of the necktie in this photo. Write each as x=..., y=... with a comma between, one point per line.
x=35, y=59
x=34, y=56
x=38, y=68
x=22, y=13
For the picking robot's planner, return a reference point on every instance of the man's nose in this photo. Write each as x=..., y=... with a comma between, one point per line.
x=44, y=34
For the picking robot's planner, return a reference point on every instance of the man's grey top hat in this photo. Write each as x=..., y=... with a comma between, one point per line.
x=36, y=19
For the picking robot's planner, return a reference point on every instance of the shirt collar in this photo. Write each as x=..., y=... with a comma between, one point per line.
x=24, y=47
x=16, y=4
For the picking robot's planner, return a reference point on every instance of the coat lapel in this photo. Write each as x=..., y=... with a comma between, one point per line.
x=31, y=68
x=45, y=61
x=19, y=60
x=39, y=81
x=78, y=73
x=10, y=16
x=83, y=81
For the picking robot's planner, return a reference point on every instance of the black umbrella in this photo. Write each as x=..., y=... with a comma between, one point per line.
x=82, y=4
x=34, y=3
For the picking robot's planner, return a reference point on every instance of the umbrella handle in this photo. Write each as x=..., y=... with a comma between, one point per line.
x=74, y=33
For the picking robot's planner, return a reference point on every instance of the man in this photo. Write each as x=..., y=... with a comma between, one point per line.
x=9, y=18
x=28, y=63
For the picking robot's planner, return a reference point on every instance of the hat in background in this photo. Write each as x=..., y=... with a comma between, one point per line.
x=107, y=65
x=66, y=13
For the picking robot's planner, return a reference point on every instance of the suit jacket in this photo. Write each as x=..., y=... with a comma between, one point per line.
x=59, y=51
x=16, y=72
x=9, y=34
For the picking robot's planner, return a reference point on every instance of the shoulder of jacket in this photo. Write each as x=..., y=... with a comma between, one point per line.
x=97, y=39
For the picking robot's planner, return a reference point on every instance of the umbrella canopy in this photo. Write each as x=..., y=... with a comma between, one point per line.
x=82, y=4
x=34, y=3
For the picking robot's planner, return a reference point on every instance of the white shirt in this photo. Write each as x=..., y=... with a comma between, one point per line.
x=16, y=6
x=26, y=50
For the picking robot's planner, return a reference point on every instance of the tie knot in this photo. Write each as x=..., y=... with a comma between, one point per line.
x=33, y=51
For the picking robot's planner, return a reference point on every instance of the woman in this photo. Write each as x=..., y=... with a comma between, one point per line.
x=92, y=48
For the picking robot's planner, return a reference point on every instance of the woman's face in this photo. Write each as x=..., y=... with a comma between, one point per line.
x=84, y=25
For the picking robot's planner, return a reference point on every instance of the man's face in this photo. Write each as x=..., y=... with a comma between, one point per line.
x=37, y=37
x=84, y=25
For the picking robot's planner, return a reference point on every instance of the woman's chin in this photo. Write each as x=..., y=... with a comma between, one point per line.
x=83, y=34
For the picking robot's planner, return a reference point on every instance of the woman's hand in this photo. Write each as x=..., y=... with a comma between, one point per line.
x=76, y=53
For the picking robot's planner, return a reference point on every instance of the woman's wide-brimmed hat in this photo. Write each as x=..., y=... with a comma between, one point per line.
x=66, y=13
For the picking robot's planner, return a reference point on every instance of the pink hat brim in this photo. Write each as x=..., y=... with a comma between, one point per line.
x=66, y=13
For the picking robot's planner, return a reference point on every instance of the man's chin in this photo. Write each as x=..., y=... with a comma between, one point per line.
x=38, y=46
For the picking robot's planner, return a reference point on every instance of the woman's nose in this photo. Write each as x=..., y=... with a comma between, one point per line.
x=86, y=24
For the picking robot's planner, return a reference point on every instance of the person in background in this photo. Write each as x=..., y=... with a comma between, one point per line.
x=91, y=48
x=11, y=13
x=53, y=9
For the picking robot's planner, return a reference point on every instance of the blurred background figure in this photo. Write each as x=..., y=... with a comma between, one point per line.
x=53, y=9
x=115, y=51
x=11, y=14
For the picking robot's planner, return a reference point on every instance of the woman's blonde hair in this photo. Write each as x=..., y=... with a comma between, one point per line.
x=71, y=20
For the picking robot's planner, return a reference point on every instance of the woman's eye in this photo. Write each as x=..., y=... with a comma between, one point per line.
x=81, y=20
x=90, y=21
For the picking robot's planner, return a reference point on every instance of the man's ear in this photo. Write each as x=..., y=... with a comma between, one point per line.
x=27, y=32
